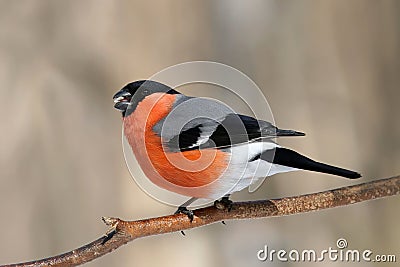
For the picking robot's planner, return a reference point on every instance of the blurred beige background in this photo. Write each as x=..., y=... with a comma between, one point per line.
x=328, y=68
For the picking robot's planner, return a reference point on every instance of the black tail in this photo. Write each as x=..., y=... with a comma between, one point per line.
x=290, y=158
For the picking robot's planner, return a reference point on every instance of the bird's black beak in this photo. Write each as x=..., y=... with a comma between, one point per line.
x=281, y=132
x=122, y=100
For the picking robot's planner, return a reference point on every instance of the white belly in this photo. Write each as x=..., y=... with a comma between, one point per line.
x=241, y=173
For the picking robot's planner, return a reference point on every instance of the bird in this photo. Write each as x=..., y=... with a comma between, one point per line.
x=201, y=148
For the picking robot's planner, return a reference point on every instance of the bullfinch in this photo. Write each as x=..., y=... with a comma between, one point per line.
x=200, y=148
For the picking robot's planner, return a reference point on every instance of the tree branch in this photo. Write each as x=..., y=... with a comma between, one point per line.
x=122, y=232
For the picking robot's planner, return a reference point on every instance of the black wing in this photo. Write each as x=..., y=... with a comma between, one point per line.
x=233, y=129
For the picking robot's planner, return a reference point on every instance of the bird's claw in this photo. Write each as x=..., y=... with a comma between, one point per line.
x=185, y=211
x=224, y=204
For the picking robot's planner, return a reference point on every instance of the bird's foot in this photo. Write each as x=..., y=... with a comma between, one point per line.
x=224, y=204
x=185, y=211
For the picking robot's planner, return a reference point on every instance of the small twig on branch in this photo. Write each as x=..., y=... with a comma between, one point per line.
x=122, y=232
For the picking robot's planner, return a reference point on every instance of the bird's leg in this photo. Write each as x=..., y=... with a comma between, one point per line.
x=224, y=203
x=183, y=209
